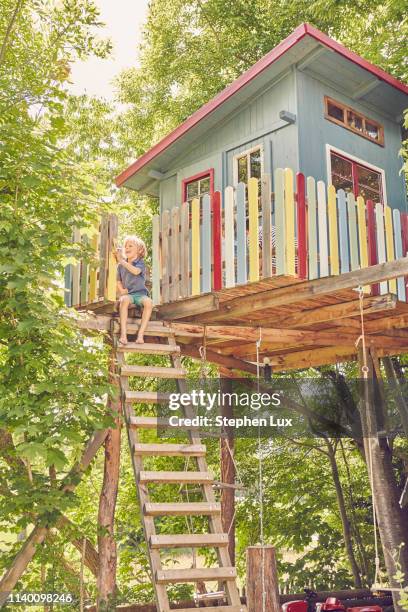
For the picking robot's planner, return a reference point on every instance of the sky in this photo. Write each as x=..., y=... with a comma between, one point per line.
x=124, y=21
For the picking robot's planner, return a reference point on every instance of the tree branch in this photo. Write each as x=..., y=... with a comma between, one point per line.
x=10, y=29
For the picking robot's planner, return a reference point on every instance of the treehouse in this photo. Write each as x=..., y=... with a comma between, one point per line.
x=281, y=241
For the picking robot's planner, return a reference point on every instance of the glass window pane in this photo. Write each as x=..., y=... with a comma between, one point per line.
x=341, y=167
x=255, y=164
x=192, y=190
x=335, y=111
x=242, y=169
x=369, y=183
x=204, y=185
x=355, y=121
x=342, y=173
x=372, y=130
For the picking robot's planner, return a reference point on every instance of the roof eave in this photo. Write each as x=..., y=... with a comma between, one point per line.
x=300, y=32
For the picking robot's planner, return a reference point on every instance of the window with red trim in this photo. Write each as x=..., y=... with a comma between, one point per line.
x=198, y=186
x=356, y=178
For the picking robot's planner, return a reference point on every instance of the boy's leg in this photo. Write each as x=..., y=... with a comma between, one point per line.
x=147, y=313
x=124, y=303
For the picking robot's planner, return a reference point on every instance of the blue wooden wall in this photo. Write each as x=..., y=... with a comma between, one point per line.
x=301, y=146
x=256, y=122
x=315, y=131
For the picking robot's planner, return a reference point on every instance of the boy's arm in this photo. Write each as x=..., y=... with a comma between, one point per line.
x=132, y=269
x=121, y=289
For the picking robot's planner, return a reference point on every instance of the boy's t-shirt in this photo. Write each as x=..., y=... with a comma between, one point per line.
x=134, y=283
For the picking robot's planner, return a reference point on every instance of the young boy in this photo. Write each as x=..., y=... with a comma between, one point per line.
x=131, y=285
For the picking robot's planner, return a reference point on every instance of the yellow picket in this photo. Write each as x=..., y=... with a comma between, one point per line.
x=362, y=232
x=289, y=223
x=195, y=247
x=253, y=229
x=389, y=238
x=333, y=231
x=93, y=275
x=362, y=236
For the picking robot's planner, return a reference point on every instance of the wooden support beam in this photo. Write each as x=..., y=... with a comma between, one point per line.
x=307, y=290
x=106, y=583
x=337, y=340
x=188, y=307
x=335, y=312
x=228, y=472
x=222, y=360
x=262, y=584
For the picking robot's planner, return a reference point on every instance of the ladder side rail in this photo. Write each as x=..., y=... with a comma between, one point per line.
x=143, y=497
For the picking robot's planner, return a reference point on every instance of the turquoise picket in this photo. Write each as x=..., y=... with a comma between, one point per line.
x=241, y=235
x=322, y=220
x=205, y=243
x=352, y=227
x=280, y=220
x=398, y=251
x=343, y=235
x=312, y=227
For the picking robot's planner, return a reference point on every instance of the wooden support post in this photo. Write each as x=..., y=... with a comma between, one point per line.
x=262, y=583
x=106, y=583
x=391, y=520
x=228, y=473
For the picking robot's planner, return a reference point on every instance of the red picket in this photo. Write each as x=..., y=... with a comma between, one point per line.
x=216, y=231
x=404, y=228
x=301, y=225
x=372, y=245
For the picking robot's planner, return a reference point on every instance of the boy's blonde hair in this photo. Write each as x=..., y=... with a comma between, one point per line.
x=138, y=242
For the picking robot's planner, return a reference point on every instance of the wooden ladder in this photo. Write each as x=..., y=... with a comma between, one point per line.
x=224, y=574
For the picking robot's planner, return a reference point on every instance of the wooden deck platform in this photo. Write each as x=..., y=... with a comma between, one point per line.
x=300, y=323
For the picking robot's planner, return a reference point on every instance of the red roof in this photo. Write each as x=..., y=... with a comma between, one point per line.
x=268, y=59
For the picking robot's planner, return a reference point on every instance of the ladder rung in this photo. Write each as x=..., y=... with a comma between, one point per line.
x=154, y=328
x=241, y=608
x=176, y=477
x=147, y=397
x=152, y=371
x=195, y=575
x=170, y=450
x=182, y=509
x=149, y=349
x=155, y=422
x=186, y=540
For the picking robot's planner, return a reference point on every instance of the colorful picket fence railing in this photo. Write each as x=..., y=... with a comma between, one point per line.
x=302, y=228
x=87, y=284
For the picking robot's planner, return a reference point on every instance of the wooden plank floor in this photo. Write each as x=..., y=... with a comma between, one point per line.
x=325, y=313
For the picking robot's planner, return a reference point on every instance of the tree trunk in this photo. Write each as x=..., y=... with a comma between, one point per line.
x=392, y=380
x=228, y=474
x=348, y=543
x=262, y=584
x=393, y=532
x=38, y=534
x=91, y=559
x=106, y=583
x=354, y=522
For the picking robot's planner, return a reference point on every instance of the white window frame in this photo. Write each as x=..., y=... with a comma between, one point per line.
x=331, y=149
x=247, y=152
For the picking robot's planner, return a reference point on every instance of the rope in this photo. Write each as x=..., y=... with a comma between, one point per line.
x=362, y=338
x=260, y=465
x=203, y=354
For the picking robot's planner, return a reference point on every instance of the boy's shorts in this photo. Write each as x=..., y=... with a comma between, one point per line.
x=137, y=298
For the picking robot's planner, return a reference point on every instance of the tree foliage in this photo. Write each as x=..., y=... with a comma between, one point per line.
x=52, y=383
